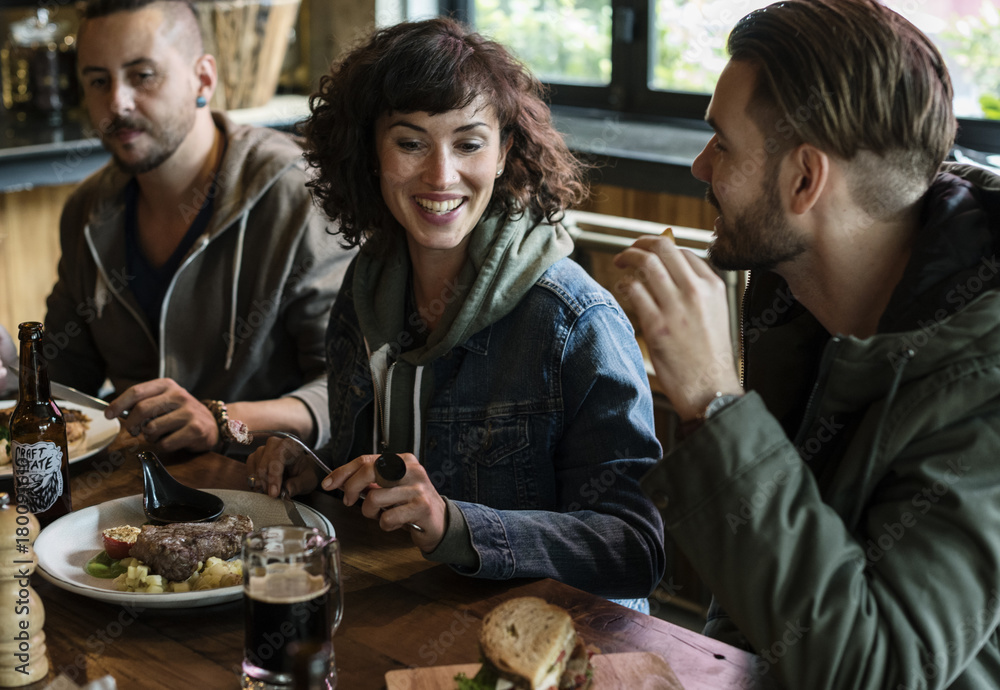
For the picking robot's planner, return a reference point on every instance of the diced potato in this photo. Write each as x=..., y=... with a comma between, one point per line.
x=212, y=574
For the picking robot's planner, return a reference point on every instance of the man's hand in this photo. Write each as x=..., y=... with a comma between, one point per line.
x=8, y=361
x=414, y=500
x=166, y=415
x=683, y=312
x=281, y=464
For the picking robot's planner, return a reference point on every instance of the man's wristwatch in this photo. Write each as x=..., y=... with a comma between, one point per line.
x=718, y=402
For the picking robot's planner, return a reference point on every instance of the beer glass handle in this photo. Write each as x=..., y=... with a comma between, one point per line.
x=335, y=580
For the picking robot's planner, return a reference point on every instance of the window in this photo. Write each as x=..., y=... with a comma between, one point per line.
x=662, y=57
x=582, y=54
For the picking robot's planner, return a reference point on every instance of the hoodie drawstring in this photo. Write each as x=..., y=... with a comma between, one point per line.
x=237, y=268
x=378, y=366
x=381, y=372
x=416, y=407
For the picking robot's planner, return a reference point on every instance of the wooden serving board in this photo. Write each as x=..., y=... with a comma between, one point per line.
x=632, y=670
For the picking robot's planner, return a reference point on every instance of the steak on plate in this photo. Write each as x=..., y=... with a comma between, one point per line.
x=174, y=551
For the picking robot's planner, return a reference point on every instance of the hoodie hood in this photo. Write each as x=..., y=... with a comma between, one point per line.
x=954, y=265
x=255, y=158
x=504, y=261
x=954, y=255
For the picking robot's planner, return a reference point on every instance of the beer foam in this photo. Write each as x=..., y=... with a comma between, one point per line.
x=286, y=585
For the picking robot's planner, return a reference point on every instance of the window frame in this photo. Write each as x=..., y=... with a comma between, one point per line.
x=630, y=95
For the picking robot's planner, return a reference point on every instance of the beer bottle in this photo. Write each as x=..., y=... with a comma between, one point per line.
x=38, y=436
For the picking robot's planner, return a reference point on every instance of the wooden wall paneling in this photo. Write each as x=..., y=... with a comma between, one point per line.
x=29, y=252
x=669, y=209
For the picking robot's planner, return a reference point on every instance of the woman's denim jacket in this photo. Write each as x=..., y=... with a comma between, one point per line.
x=539, y=429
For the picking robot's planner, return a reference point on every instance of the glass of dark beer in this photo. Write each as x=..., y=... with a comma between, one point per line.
x=292, y=597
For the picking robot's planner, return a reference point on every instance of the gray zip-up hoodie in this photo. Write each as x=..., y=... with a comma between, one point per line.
x=245, y=314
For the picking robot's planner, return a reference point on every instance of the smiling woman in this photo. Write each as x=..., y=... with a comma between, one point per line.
x=505, y=377
x=437, y=175
x=391, y=75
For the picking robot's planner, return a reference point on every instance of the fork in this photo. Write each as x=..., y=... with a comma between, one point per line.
x=315, y=458
x=295, y=439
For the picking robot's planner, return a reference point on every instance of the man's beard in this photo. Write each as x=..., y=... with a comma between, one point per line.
x=757, y=238
x=166, y=141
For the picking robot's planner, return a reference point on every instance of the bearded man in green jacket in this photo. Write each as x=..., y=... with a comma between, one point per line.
x=842, y=500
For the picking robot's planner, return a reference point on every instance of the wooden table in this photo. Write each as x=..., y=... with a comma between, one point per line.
x=400, y=610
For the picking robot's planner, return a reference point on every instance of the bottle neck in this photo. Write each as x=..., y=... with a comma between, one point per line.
x=34, y=379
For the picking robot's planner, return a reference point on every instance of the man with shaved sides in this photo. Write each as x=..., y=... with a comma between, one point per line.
x=195, y=276
x=839, y=492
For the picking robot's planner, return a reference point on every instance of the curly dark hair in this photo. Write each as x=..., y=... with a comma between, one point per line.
x=432, y=66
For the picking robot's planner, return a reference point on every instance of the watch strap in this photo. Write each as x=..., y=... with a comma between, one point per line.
x=719, y=402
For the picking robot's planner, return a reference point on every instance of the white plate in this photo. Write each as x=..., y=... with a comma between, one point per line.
x=100, y=433
x=64, y=547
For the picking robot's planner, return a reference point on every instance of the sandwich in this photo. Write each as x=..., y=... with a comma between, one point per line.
x=529, y=644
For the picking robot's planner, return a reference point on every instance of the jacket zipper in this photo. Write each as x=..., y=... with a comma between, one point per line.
x=166, y=301
x=104, y=274
x=743, y=333
x=166, y=297
x=829, y=354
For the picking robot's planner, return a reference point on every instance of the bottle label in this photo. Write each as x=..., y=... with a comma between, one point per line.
x=38, y=481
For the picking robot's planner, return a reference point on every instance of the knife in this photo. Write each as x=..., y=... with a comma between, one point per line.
x=69, y=394
x=292, y=511
x=64, y=392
